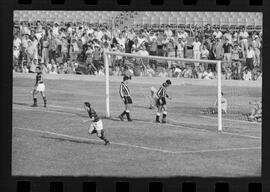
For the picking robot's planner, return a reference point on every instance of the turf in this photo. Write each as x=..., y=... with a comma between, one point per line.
x=53, y=141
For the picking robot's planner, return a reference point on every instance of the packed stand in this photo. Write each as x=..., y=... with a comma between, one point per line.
x=64, y=48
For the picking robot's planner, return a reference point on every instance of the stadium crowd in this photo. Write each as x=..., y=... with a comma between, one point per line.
x=62, y=48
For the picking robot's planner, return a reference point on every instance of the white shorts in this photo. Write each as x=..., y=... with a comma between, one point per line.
x=96, y=126
x=40, y=87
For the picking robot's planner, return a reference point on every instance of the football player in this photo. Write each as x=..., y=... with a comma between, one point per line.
x=153, y=97
x=224, y=106
x=256, y=112
x=39, y=88
x=126, y=98
x=161, y=101
x=96, y=125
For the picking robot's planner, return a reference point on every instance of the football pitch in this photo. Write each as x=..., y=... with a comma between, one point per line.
x=54, y=141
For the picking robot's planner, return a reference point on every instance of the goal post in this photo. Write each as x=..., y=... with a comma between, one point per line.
x=107, y=60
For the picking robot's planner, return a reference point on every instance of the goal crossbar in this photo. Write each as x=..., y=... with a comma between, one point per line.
x=107, y=60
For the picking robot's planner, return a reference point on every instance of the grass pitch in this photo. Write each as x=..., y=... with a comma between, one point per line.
x=53, y=141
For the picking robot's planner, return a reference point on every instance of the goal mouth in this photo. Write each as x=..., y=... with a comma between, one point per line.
x=108, y=62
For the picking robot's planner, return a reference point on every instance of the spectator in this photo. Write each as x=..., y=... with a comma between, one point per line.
x=196, y=50
x=250, y=57
x=204, y=56
x=170, y=50
x=243, y=37
x=45, y=50
x=247, y=74
x=217, y=33
x=256, y=44
x=74, y=42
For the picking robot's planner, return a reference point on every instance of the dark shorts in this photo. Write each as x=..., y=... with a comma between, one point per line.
x=128, y=100
x=161, y=101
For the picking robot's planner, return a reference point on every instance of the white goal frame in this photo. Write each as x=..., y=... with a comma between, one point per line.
x=107, y=60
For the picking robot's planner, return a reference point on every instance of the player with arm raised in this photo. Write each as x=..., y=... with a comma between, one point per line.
x=96, y=126
x=125, y=96
x=39, y=87
x=161, y=101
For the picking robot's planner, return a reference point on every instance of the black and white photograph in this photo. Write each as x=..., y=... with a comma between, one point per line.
x=137, y=94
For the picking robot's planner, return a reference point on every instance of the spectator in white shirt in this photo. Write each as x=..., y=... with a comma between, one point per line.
x=17, y=41
x=204, y=56
x=247, y=75
x=196, y=50
x=217, y=33
x=55, y=30
x=256, y=45
x=182, y=34
x=250, y=57
x=98, y=34
x=208, y=74
x=243, y=36
x=168, y=32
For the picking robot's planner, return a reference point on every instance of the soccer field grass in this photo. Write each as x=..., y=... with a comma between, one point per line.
x=53, y=141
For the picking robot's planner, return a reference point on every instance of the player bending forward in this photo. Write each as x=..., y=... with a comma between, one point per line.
x=161, y=101
x=153, y=97
x=125, y=96
x=256, y=112
x=224, y=106
x=96, y=126
x=39, y=88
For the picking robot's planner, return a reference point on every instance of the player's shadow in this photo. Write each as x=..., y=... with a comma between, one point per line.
x=23, y=104
x=140, y=107
x=70, y=140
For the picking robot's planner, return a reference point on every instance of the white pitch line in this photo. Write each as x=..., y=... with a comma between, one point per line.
x=42, y=110
x=167, y=124
x=141, y=147
x=228, y=133
x=233, y=120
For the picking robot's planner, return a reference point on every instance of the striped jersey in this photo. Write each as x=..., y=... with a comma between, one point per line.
x=124, y=90
x=39, y=78
x=162, y=91
x=92, y=113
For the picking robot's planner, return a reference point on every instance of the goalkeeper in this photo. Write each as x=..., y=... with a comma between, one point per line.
x=256, y=112
x=224, y=106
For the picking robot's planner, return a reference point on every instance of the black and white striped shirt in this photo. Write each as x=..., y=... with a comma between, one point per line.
x=124, y=90
x=162, y=91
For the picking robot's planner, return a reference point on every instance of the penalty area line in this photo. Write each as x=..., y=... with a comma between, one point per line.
x=167, y=124
x=140, y=147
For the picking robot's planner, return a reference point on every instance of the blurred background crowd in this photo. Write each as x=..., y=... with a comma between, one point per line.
x=69, y=44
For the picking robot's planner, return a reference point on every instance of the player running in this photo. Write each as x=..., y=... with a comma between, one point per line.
x=125, y=96
x=161, y=101
x=96, y=126
x=39, y=88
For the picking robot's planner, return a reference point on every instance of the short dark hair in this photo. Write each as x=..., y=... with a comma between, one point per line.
x=87, y=104
x=126, y=77
x=168, y=82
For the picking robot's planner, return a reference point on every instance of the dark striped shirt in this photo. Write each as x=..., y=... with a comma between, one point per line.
x=92, y=113
x=39, y=78
x=162, y=91
x=124, y=91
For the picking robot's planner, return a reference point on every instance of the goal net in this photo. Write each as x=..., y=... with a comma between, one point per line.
x=199, y=90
